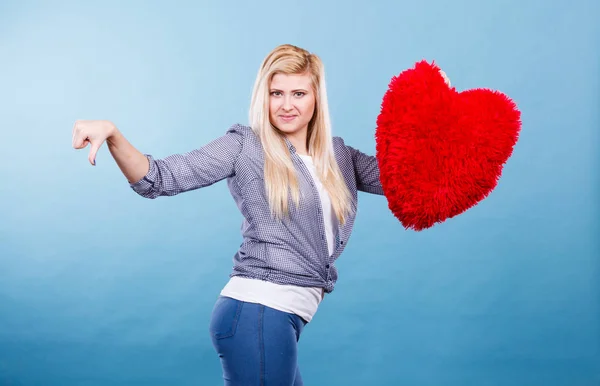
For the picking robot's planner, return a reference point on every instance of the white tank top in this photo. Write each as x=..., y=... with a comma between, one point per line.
x=302, y=301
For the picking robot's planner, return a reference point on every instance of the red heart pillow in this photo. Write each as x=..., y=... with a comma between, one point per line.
x=440, y=151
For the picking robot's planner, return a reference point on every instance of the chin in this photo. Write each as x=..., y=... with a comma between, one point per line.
x=288, y=128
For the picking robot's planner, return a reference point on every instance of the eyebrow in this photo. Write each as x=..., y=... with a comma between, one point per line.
x=300, y=89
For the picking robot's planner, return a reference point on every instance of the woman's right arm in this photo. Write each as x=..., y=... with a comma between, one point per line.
x=132, y=162
x=171, y=175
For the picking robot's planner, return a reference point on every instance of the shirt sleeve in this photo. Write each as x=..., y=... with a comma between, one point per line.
x=366, y=169
x=196, y=169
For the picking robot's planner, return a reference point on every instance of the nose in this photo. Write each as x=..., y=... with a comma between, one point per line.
x=287, y=103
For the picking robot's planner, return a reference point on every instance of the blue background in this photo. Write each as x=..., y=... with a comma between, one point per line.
x=101, y=287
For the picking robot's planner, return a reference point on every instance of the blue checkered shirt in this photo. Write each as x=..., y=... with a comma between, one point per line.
x=292, y=251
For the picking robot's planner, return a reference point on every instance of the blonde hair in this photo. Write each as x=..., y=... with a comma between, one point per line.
x=279, y=172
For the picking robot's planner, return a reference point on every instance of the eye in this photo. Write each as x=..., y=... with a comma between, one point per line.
x=275, y=93
x=300, y=94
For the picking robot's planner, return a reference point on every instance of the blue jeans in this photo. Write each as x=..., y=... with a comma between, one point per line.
x=257, y=345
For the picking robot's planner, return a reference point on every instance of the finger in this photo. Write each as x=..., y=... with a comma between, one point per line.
x=73, y=134
x=79, y=139
x=93, y=151
x=446, y=79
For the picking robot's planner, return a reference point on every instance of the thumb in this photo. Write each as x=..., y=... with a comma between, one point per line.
x=95, y=145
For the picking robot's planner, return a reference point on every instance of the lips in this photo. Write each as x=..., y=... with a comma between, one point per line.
x=287, y=118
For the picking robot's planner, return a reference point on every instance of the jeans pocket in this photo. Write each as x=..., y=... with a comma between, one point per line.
x=225, y=317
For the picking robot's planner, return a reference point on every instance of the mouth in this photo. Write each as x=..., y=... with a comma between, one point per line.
x=287, y=118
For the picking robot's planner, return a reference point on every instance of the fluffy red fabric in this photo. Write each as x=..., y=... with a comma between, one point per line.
x=440, y=151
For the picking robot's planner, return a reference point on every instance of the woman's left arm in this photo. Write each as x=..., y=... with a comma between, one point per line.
x=366, y=169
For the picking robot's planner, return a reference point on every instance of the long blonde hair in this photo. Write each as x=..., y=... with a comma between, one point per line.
x=279, y=172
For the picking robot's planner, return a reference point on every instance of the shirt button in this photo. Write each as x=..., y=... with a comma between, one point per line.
x=327, y=266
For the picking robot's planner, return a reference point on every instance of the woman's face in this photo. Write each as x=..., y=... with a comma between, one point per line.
x=291, y=103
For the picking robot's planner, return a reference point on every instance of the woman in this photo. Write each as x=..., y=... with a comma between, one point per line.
x=296, y=187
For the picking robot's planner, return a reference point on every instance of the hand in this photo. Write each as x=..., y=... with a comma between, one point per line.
x=93, y=132
x=446, y=79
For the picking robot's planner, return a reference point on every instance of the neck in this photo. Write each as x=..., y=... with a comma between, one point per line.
x=299, y=141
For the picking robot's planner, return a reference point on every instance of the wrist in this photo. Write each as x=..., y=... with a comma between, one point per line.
x=113, y=134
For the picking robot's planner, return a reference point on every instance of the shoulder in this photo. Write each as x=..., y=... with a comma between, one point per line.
x=340, y=147
x=247, y=138
x=343, y=152
x=239, y=129
x=243, y=133
x=338, y=143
